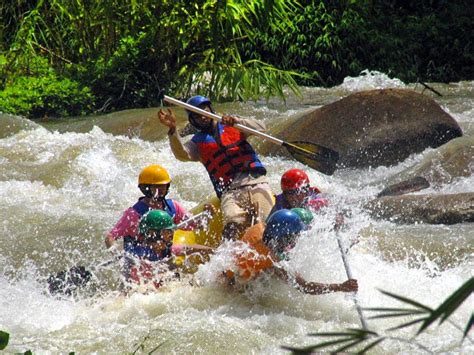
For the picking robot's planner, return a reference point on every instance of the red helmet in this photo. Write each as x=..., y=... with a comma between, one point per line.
x=294, y=179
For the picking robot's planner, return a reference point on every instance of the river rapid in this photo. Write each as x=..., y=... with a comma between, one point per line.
x=63, y=185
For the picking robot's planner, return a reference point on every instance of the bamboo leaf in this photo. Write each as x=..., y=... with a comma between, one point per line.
x=404, y=325
x=349, y=346
x=333, y=334
x=469, y=325
x=450, y=304
x=322, y=345
x=407, y=300
x=381, y=316
x=361, y=332
x=371, y=345
x=382, y=309
x=4, y=338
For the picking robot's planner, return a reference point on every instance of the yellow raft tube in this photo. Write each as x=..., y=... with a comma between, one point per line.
x=211, y=236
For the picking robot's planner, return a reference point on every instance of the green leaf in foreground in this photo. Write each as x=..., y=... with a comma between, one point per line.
x=361, y=340
x=4, y=337
x=446, y=308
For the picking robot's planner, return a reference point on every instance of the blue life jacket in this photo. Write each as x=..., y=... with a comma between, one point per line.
x=135, y=245
x=282, y=203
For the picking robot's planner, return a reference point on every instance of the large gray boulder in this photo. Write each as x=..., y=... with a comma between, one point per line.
x=444, y=165
x=372, y=128
x=432, y=209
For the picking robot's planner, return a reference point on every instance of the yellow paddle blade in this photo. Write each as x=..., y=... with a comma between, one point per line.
x=314, y=155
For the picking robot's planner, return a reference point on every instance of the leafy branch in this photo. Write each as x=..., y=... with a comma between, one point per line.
x=361, y=341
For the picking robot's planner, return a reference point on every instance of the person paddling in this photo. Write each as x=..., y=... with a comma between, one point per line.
x=154, y=182
x=151, y=255
x=297, y=192
x=236, y=172
x=267, y=246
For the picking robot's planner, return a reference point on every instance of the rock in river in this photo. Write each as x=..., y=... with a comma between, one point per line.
x=433, y=209
x=372, y=128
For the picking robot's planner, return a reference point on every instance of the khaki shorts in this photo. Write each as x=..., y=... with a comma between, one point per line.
x=247, y=204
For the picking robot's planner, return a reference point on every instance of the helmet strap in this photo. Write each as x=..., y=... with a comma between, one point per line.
x=160, y=198
x=194, y=121
x=147, y=192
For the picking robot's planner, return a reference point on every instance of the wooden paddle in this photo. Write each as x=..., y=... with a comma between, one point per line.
x=311, y=154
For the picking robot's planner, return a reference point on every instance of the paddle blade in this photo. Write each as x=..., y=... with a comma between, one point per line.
x=314, y=155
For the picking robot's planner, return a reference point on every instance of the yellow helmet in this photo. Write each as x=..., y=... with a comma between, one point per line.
x=154, y=175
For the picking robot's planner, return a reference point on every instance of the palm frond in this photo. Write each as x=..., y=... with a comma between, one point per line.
x=310, y=349
x=388, y=309
x=349, y=346
x=371, y=345
x=394, y=315
x=350, y=339
x=4, y=338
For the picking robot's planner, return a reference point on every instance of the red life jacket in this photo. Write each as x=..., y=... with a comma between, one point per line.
x=226, y=155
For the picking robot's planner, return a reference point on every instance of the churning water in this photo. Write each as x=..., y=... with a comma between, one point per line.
x=62, y=187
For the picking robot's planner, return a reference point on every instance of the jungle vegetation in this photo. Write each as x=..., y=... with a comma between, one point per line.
x=73, y=57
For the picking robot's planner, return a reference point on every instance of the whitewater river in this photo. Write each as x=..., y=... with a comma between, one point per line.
x=64, y=185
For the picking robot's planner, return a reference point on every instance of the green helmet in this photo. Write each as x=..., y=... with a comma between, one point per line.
x=305, y=215
x=157, y=220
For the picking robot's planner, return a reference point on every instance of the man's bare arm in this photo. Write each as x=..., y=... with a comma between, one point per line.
x=315, y=288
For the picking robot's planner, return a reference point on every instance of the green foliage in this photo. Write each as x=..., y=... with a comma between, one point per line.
x=4, y=338
x=320, y=43
x=124, y=51
x=361, y=340
x=126, y=79
x=213, y=58
x=44, y=93
x=415, y=40
x=244, y=81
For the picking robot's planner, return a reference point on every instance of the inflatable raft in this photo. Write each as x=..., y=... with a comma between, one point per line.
x=210, y=236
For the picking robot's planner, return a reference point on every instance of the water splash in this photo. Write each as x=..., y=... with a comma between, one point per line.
x=61, y=192
x=369, y=80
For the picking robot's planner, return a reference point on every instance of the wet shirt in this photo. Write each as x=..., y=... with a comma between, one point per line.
x=128, y=223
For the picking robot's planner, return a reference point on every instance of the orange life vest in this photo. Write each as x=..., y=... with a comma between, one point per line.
x=251, y=263
x=225, y=155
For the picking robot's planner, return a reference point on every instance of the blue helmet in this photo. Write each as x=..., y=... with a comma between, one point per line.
x=197, y=101
x=283, y=226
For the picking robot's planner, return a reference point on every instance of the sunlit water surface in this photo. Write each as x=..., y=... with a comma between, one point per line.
x=60, y=193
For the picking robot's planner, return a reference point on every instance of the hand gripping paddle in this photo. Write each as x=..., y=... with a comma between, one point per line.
x=311, y=154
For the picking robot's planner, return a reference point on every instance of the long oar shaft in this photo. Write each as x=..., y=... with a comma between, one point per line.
x=349, y=276
x=182, y=224
x=192, y=219
x=219, y=118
